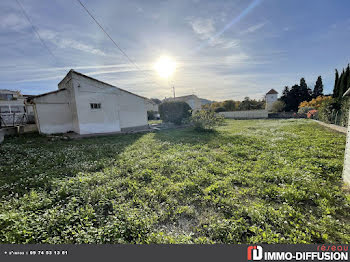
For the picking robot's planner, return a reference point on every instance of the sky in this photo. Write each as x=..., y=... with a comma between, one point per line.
x=223, y=49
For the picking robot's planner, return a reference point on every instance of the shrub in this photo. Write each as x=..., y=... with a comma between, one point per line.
x=206, y=120
x=278, y=106
x=305, y=109
x=316, y=102
x=174, y=111
x=220, y=109
x=151, y=115
x=343, y=115
x=327, y=110
x=312, y=114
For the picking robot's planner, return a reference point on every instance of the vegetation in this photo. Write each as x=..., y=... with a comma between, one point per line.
x=341, y=83
x=231, y=105
x=262, y=181
x=151, y=115
x=336, y=111
x=174, y=111
x=318, y=89
x=298, y=94
x=156, y=100
x=294, y=96
x=278, y=106
x=315, y=103
x=206, y=120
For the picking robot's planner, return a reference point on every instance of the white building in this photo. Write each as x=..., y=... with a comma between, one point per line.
x=270, y=98
x=86, y=105
x=151, y=106
x=192, y=100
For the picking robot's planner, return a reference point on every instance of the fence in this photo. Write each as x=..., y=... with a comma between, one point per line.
x=13, y=119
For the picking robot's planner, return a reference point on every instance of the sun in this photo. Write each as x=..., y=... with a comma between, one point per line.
x=165, y=66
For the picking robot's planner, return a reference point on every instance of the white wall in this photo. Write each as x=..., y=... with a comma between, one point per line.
x=133, y=111
x=251, y=114
x=119, y=109
x=103, y=120
x=270, y=99
x=53, y=113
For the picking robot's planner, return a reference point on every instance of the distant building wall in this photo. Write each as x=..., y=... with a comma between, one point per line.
x=151, y=106
x=270, y=99
x=251, y=114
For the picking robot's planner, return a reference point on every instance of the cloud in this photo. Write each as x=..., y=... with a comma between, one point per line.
x=13, y=22
x=63, y=42
x=253, y=28
x=204, y=28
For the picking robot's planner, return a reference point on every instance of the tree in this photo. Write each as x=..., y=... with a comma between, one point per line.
x=295, y=95
x=318, y=89
x=206, y=120
x=229, y=105
x=304, y=92
x=342, y=83
x=249, y=104
x=278, y=106
x=174, y=111
x=156, y=100
x=336, y=83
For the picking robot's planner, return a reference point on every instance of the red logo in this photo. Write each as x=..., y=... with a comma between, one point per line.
x=254, y=253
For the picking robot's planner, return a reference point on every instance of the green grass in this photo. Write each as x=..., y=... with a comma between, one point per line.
x=154, y=122
x=267, y=181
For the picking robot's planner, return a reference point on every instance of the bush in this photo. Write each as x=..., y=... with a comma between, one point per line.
x=220, y=109
x=174, y=111
x=315, y=103
x=312, y=114
x=151, y=115
x=278, y=106
x=343, y=119
x=305, y=110
x=206, y=120
x=327, y=110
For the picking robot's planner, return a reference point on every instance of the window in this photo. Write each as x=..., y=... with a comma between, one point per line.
x=95, y=105
x=17, y=109
x=6, y=97
x=4, y=109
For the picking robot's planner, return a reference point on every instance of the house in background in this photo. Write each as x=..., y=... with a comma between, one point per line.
x=270, y=98
x=192, y=100
x=151, y=105
x=85, y=105
x=13, y=108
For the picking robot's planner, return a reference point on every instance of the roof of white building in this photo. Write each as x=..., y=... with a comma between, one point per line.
x=272, y=91
x=91, y=78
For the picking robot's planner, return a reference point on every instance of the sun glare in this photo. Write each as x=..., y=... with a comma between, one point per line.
x=165, y=66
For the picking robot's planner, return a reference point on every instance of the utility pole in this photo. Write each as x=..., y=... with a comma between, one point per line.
x=174, y=91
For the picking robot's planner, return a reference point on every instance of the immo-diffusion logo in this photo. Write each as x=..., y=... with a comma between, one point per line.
x=255, y=253
x=323, y=253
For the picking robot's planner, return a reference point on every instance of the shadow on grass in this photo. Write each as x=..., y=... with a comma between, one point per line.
x=33, y=161
x=194, y=137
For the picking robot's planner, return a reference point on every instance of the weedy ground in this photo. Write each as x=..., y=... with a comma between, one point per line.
x=267, y=181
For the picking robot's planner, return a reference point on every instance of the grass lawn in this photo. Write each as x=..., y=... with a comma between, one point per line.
x=270, y=181
x=154, y=122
